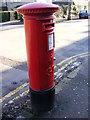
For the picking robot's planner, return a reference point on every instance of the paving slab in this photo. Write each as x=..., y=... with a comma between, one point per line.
x=12, y=78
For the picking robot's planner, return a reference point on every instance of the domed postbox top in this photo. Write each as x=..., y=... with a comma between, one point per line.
x=37, y=8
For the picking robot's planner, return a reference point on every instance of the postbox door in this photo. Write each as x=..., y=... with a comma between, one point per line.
x=47, y=79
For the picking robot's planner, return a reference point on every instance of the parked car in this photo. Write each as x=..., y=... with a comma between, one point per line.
x=83, y=14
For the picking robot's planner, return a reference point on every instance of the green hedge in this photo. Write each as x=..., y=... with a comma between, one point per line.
x=18, y=16
x=10, y=15
x=5, y=16
x=3, y=8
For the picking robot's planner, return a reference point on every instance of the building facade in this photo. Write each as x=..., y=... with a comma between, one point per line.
x=13, y=4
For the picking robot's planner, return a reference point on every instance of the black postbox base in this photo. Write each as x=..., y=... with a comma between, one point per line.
x=42, y=101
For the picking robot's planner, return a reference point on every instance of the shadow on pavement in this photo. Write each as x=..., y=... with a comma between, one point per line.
x=12, y=23
x=60, y=54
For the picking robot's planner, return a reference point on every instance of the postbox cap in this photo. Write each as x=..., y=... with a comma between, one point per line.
x=37, y=8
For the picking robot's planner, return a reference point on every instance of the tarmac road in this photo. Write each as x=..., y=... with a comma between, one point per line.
x=71, y=99
x=71, y=38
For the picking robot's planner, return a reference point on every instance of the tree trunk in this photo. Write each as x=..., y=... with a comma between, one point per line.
x=69, y=9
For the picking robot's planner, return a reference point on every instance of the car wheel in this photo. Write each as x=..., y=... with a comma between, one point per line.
x=86, y=17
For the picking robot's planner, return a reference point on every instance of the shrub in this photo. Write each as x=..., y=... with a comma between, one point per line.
x=5, y=16
x=18, y=16
x=65, y=8
x=15, y=15
x=12, y=15
x=74, y=8
x=60, y=12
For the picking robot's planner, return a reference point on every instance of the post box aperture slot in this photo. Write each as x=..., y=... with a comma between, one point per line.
x=51, y=41
x=48, y=26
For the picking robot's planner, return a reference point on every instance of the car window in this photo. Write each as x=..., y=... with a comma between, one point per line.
x=83, y=11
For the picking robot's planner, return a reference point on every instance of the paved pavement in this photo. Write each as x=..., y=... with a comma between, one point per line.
x=71, y=71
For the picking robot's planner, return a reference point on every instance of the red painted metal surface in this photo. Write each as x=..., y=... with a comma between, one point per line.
x=39, y=32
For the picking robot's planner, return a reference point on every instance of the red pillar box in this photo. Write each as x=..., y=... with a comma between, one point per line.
x=40, y=43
